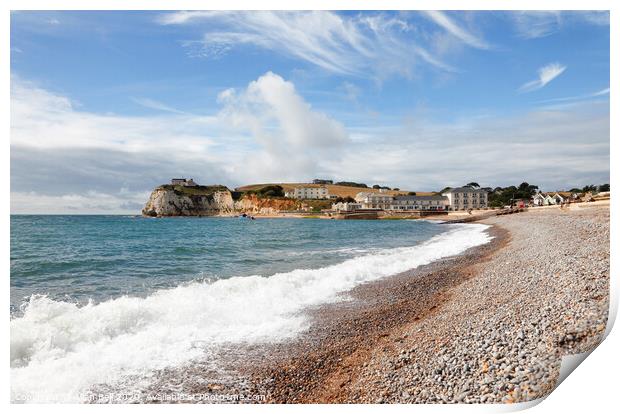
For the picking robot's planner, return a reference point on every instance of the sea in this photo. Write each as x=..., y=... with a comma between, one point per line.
x=100, y=299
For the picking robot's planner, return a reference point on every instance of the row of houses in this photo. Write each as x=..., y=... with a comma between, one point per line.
x=550, y=199
x=462, y=198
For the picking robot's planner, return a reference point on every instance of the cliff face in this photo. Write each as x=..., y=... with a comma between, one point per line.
x=172, y=201
x=255, y=205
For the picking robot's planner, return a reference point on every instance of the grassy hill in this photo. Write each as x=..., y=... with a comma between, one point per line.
x=338, y=190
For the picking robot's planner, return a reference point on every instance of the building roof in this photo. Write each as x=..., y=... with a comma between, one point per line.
x=563, y=194
x=370, y=193
x=421, y=198
x=465, y=190
x=311, y=186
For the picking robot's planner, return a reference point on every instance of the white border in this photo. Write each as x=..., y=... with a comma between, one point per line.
x=591, y=387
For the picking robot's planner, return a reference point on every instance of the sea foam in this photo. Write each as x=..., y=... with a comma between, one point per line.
x=59, y=350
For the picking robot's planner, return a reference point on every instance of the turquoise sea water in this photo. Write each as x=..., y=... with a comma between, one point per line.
x=106, y=301
x=76, y=258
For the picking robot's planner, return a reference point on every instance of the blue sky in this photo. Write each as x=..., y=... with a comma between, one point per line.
x=106, y=105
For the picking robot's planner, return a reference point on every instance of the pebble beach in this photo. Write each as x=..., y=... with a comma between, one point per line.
x=542, y=296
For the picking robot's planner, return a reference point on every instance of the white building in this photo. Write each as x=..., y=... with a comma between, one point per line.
x=184, y=182
x=346, y=206
x=538, y=199
x=308, y=192
x=372, y=200
x=558, y=198
x=465, y=198
x=551, y=199
x=424, y=203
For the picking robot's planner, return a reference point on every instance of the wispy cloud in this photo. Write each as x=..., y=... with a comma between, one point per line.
x=374, y=45
x=158, y=106
x=449, y=25
x=545, y=75
x=536, y=24
x=602, y=92
x=600, y=18
x=596, y=94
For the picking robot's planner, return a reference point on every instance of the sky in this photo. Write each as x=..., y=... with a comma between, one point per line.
x=107, y=105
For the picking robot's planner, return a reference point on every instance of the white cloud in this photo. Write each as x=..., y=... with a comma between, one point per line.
x=449, y=25
x=294, y=137
x=545, y=75
x=536, y=24
x=42, y=119
x=370, y=45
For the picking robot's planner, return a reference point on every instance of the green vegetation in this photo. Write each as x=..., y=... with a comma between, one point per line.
x=378, y=187
x=412, y=193
x=473, y=184
x=199, y=190
x=500, y=197
x=591, y=189
x=236, y=195
x=351, y=184
x=268, y=191
x=318, y=205
x=347, y=199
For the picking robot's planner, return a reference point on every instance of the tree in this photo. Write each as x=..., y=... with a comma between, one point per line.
x=500, y=197
x=346, y=199
x=575, y=190
x=412, y=193
x=472, y=185
x=271, y=191
x=376, y=186
x=603, y=187
x=351, y=184
x=526, y=190
x=589, y=188
x=396, y=189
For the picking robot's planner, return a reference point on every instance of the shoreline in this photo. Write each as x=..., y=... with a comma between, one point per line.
x=340, y=335
x=487, y=326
